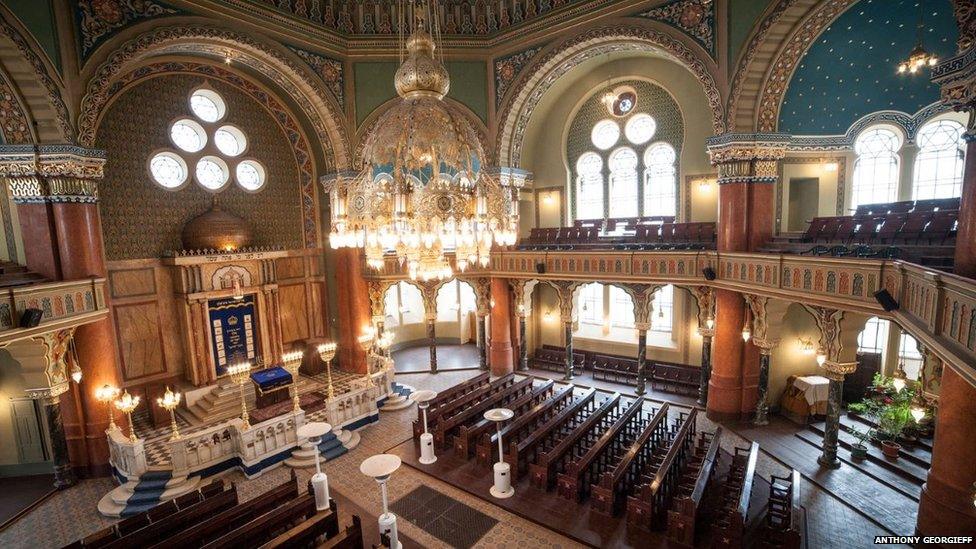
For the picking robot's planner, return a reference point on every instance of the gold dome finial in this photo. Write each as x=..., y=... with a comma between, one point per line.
x=421, y=74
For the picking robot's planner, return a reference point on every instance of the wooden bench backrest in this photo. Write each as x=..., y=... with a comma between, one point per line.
x=742, y=509
x=350, y=538
x=532, y=414
x=609, y=479
x=672, y=455
x=559, y=419
x=177, y=522
x=473, y=396
x=220, y=523
x=323, y=523
x=262, y=528
x=587, y=459
x=483, y=405
x=708, y=463
x=567, y=443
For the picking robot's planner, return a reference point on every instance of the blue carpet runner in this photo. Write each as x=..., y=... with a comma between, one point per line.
x=147, y=492
x=331, y=447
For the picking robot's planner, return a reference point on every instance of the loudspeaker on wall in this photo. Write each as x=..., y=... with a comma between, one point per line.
x=887, y=302
x=709, y=273
x=31, y=318
x=540, y=268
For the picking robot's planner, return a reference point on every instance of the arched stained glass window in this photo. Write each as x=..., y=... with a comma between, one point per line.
x=589, y=187
x=623, y=183
x=940, y=160
x=876, y=167
x=660, y=185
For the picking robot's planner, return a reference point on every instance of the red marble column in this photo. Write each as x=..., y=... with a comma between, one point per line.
x=501, y=358
x=725, y=383
x=965, y=257
x=40, y=239
x=353, y=305
x=733, y=217
x=81, y=250
x=946, y=507
x=761, y=199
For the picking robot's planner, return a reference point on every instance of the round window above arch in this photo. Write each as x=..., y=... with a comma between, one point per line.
x=212, y=173
x=605, y=134
x=207, y=105
x=640, y=128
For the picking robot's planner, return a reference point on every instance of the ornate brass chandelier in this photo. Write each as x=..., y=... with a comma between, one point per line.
x=423, y=194
x=918, y=58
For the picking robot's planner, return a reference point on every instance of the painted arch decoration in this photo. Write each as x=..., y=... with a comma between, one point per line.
x=543, y=71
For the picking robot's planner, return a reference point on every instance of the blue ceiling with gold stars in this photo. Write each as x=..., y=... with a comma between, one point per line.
x=851, y=70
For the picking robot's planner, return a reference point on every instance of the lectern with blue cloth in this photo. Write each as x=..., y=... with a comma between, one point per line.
x=271, y=386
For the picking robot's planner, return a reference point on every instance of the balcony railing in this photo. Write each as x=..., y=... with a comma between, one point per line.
x=62, y=304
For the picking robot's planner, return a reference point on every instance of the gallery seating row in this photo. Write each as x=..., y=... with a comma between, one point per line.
x=657, y=236
x=663, y=376
x=281, y=517
x=922, y=227
x=623, y=224
x=906, y=206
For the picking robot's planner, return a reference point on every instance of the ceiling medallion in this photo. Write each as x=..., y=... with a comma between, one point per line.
x=422, y=194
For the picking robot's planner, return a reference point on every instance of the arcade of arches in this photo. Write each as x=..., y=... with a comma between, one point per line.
x=739, y=309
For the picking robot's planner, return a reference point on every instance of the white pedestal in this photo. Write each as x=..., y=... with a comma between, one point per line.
x=320, y=486
x=388, y=526
x=427, y=449
x=503, y=481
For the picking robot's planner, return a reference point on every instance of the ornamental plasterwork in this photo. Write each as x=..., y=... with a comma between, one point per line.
x=828, y=321
x=286, y=121
x=377, y=293
x=706, y=305
x=15, y=125
x=696, y=18
x=593, y=43
x=568, y=293
x=782, y=66
x=428, y=292
x=323, y=112
x=508, y=68
x=55, y=348
x=482, y=294
x=42, y=75
x=98, y=20
x=329, y=69
x=642, y=296
x=965, y=13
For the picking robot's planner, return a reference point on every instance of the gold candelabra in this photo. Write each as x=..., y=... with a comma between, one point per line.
x=240, y=373
x=293, y=361
x=169, y=401
x=106, y=394
x=366, y=341
x=327, y=352
x=126, y=403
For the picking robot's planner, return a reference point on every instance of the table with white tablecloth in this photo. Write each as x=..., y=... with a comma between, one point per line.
x=805, y=396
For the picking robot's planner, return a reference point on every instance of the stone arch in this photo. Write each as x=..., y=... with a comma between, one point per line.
x=767, y=64
x=281, y=68
x=281, y=113
x=38, y=116
x=537, y=78
x=370, y=122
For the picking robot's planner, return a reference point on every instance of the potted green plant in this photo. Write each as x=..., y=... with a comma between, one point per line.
x=859, y=450
x=891, y=423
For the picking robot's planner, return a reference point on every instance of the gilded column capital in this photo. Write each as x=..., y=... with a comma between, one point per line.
x=642, y=326
x=52, y=173
x=838, y=370
x=747, y=157
x=766, y=346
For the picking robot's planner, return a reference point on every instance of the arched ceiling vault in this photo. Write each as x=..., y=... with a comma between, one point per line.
x=32, y=94
x=551, y=64
x=275, y=64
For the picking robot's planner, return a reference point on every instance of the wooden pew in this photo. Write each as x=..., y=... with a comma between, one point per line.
x=269, y=525
x=548, y=463
x=446, y=396
x=521, y=452
x=574, y=483
x=323, y=524
x=729, y=526
x=686, y=506
x=177, y=522
x=647, y=508
x=456, y=404
x=219, y=524
x=472, y=411
x=610, y=491
x=784, y=516
x=350, y=538
x=467, y=435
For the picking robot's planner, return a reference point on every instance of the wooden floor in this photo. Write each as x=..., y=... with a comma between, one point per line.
x=449, y=357
x=18, y=494
x=575, y=520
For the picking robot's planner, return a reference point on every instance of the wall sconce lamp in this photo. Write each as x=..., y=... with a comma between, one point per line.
x=746, y=331
x=704, y=185
x=547, y=316
x=547, y=198
x=830, y=166
x=806, y=346
x=821, y=357
x=710, y=323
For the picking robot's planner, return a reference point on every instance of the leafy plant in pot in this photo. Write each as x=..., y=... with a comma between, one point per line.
x=859, y=451
x=891, y=424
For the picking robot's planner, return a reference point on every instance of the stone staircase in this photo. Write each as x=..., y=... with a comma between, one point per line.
x=333, y=445
x=399, y=399
x=149, y=490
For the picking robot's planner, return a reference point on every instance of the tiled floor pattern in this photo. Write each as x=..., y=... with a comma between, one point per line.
x=72, y=514
x=447, y=519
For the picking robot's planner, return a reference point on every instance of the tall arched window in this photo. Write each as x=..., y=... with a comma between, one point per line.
x=874, y=337
x=623, y=183
x=939, y=164
x=589, y=187
x=621, y=308
x=403, y=304
x=908, y=356
x=660, y=191
x=876, y=167
x=591, y=303
x=662, y=319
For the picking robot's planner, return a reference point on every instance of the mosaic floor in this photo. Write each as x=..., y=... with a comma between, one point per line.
x=72, y=514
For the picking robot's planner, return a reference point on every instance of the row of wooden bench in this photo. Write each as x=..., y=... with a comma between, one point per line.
x=663, y=376
x=215, y=517
x=922, y=227
x=650, y=236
